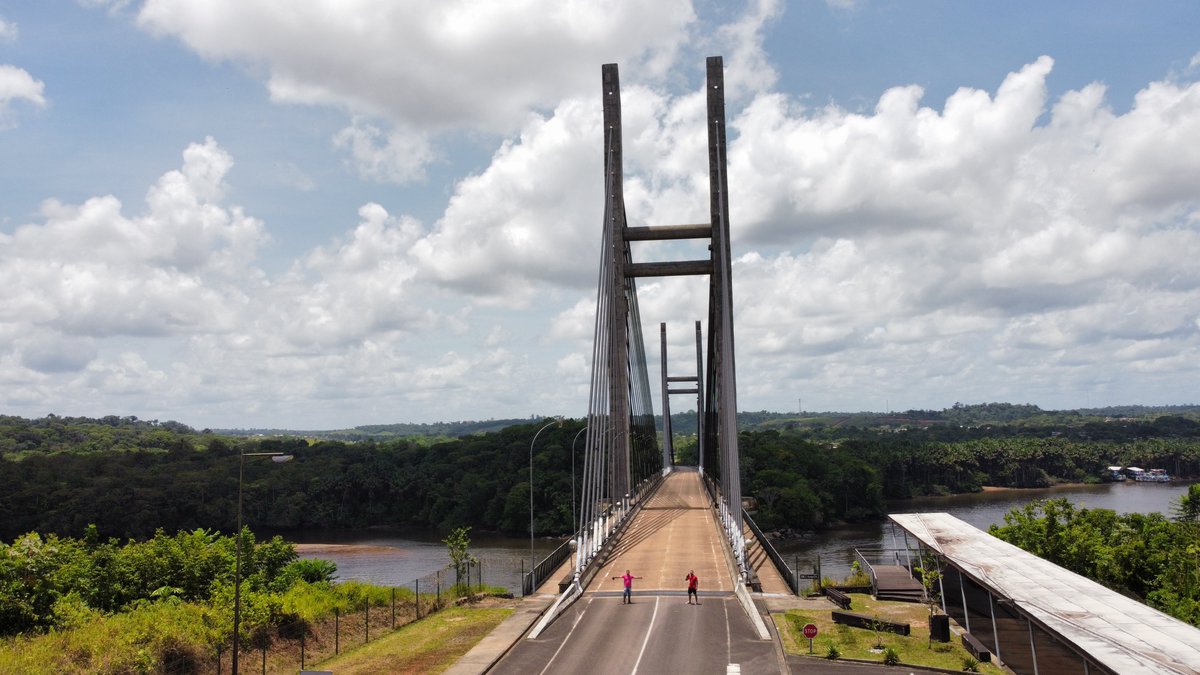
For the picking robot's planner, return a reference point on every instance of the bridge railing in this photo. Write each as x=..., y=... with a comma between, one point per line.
x=543, y=569
x=789, y=575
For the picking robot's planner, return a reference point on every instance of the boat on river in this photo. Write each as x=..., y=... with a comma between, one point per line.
x=1153, y=476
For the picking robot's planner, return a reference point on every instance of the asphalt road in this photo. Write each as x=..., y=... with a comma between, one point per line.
x=658, y=633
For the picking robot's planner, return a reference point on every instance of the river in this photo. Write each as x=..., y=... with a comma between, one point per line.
x=981, y=509
x=396, y=559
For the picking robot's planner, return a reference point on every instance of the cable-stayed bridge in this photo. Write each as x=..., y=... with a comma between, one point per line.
x=639, y=514
x=623, y=460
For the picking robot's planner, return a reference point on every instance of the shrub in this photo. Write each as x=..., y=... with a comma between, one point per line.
x=970, y=665
x=891, y=657
x=833, y=654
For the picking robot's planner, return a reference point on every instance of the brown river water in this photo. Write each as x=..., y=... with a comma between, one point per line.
x=396, y=559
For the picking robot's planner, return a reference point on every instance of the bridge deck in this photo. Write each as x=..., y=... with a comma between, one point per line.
x=676, y=531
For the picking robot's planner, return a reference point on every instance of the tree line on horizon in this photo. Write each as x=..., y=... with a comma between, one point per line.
x=130, y=477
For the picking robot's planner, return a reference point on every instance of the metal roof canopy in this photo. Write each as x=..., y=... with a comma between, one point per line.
x=1115, y=631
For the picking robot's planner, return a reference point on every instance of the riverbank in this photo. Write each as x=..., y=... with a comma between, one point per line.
x=834, y=548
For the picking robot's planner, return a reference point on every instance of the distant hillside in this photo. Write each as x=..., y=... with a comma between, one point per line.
x=1019, y=416
x=444, y=430
x=684, y=423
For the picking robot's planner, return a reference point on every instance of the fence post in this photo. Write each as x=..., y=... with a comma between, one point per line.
x=479, y=568
x=468, y=589
x=417, y=597
x=439, y=588
x=264, y=653
x=302, y=651
x=367, y=620
x=337, y=630
x=393, y=606
x=218, y=659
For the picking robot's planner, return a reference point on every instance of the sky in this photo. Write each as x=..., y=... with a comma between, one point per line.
x=317, y=215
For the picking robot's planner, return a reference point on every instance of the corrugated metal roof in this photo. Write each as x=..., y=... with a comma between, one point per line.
x=1115, y=631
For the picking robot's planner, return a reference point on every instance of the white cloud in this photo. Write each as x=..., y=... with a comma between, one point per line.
x=531, y=218
x=996, y=244
x=18, y=85
x=971, y=236
x=386, y=157
x=427, y=67
x=89, y=270
x=8, y=30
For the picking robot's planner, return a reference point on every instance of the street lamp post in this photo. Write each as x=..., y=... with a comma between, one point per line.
x=237, y=564
x=532, y=556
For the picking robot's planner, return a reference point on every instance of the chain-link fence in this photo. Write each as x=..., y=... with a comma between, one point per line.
x=369, y=615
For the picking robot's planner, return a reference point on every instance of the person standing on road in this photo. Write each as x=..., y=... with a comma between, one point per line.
x=628, y=579
x=693, y=583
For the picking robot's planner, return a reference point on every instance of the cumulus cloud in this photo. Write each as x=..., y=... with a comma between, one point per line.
x=386, y=157
x=977, y=234
x=89, y=270
x=530, y=218
x=998, y=244
x=426, y=67
x=8, y=30
x=18, y=85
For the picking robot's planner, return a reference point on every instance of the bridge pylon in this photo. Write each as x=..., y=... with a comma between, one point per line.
x=622, y=454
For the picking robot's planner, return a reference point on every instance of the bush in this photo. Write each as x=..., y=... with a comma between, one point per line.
x=833, y=654
x=891, y=657
x=970, y=665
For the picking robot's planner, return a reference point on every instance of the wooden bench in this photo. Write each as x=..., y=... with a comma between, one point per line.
x=976, y=648
x=869, y=622
x=838, y=597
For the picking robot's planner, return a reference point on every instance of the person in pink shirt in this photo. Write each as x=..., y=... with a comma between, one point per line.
x=628, y=579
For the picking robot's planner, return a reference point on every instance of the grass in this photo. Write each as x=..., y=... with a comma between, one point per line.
x=427, y=646
x=863, y=644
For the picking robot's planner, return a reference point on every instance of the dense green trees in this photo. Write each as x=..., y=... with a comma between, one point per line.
x=48, y=581
x=1147, y=556
x=183, y=480
x=801, y=482
x=130, y=478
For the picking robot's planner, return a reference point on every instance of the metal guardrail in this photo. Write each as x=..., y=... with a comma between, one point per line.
x=789, y=575
x=870, y=569
x=529, y=582
x=881, y=556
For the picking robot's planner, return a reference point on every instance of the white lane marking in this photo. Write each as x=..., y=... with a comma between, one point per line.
x=649, y=629
x=728, y=637
x=733, y=669
x=578, y=618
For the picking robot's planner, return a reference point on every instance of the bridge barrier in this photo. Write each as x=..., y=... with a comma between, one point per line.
x=789, y=575
x=582, y=577
x=542, y=570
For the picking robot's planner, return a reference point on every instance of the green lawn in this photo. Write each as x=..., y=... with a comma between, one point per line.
x=430, y=645
x=864, y=644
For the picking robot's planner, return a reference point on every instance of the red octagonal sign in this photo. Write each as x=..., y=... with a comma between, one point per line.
x=810, y=631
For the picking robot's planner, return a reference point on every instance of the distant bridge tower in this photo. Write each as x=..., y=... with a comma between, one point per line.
x=622, y=450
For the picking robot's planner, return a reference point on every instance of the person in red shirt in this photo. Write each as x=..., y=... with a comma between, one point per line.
x=693, y=583
x=628, y=579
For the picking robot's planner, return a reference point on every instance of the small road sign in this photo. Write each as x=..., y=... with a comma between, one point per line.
x=810, y=631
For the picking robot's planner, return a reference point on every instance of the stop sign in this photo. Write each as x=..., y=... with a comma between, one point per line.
x=810, y=631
